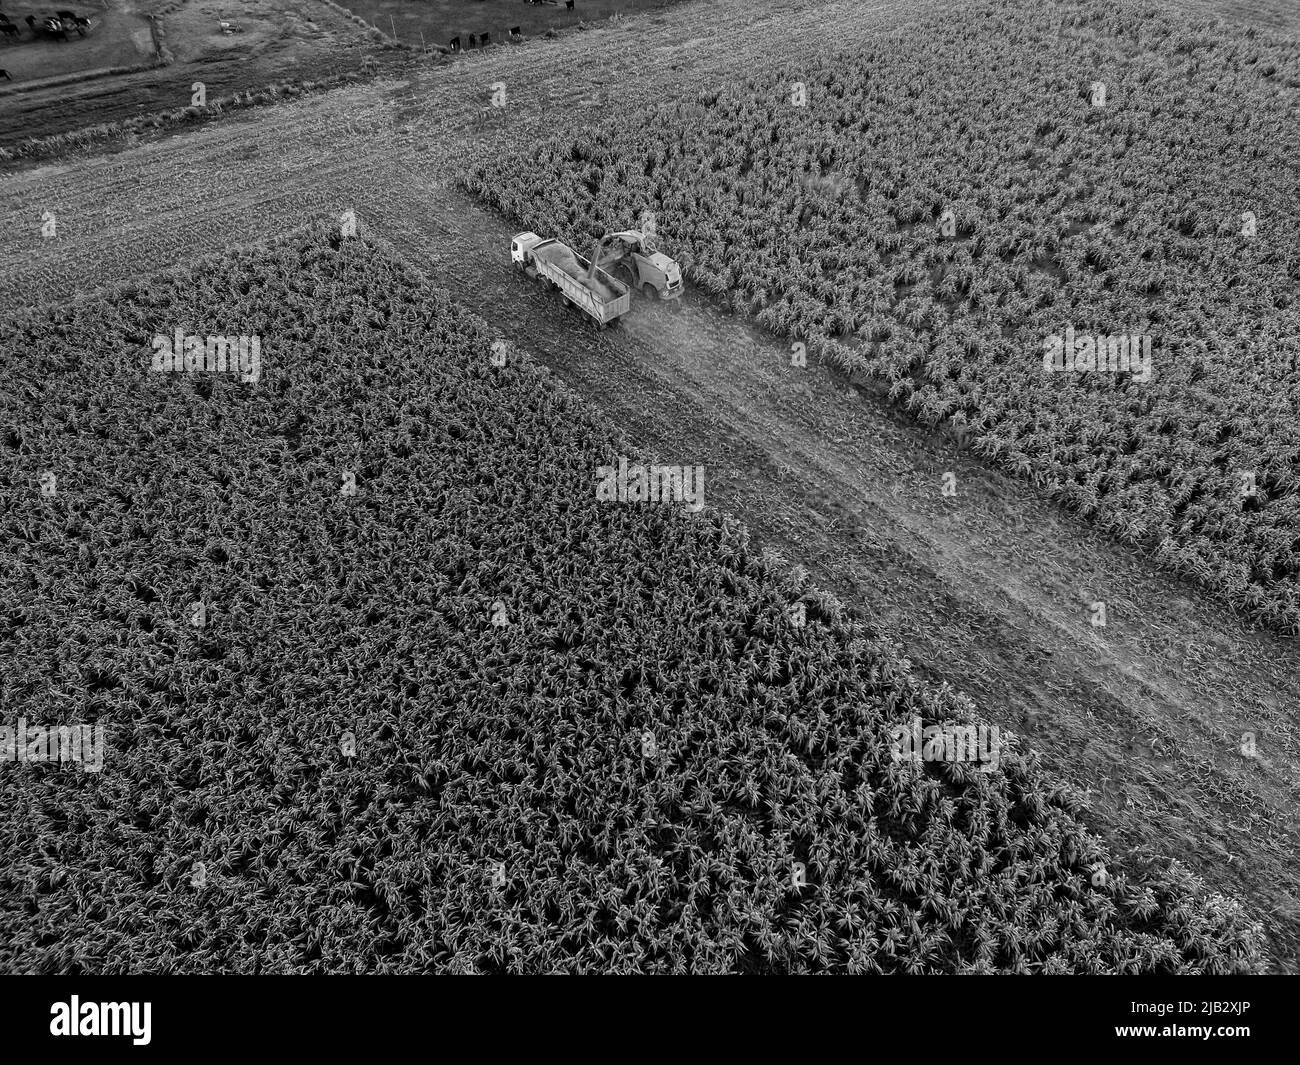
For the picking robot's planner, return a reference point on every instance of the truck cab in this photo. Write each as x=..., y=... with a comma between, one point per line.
x=521, y=245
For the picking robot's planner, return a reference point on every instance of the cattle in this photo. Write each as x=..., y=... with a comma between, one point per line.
x=49, y=27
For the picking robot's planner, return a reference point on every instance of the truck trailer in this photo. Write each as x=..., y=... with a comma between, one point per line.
x=596, y=293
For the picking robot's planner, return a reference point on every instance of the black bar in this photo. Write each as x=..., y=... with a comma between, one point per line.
x=218, y=1015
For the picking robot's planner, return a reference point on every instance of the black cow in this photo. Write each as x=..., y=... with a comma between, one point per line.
x=49, y=27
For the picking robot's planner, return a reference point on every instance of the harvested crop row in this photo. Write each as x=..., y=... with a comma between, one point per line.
x=442, y=708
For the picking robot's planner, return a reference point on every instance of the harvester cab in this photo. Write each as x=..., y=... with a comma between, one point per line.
x=664, y=273
x=628, y=251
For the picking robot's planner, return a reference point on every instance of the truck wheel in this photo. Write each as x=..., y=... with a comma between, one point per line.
x=650, y=292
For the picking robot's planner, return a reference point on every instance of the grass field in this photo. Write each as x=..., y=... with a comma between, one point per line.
x=119, y=38
x=440, y=20
x=301, y=40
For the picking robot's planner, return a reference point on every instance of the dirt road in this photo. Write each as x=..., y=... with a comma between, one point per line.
x=989, y=590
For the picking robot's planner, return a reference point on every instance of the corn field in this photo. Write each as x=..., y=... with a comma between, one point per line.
x=447, y=712
x=926, y=209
